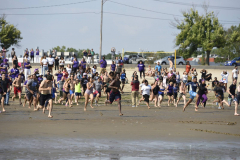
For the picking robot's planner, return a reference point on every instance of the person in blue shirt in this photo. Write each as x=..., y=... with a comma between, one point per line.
x=193, y=92
x=123, y=78
x=158, y=67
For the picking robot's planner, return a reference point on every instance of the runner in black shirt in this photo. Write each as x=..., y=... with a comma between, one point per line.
x=4, y=83
x=231, y=92
x=84, y=82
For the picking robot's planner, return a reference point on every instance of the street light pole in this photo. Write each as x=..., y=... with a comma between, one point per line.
x=100, y=52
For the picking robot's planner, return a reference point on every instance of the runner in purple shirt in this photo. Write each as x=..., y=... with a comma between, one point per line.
x=14, y=72
x=4, y=66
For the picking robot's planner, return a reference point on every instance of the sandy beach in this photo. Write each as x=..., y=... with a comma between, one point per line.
x=99, y=133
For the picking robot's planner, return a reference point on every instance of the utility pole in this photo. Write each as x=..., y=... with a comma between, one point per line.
x=100, y=52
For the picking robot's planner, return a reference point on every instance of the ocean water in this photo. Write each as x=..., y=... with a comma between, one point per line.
x=73, y=148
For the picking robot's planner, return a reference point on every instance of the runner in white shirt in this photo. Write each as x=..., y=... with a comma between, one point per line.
x=50, y=63
x=145, y=91
x=235, y=73
x=225, y=75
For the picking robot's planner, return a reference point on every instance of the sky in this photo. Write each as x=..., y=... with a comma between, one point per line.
x=82, y=31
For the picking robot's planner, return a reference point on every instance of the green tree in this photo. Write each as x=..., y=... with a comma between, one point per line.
x=9, y=34
x=199, y=33
x=60, y=49
x=232, y=47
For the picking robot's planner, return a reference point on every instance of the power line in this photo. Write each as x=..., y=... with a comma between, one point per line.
x=158, y=11
x=144, y=9
x=120, y=14
x=56, y=5
x=199, y=5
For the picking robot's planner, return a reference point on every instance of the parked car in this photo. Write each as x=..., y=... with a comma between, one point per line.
x=164, y=61
x=126, y=59
x=234, y=62
x=136, y=58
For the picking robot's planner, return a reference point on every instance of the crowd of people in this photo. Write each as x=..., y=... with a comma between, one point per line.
x=169, y=82
x=80, y=80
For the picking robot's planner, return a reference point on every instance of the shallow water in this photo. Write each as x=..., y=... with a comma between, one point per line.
x=56, y=148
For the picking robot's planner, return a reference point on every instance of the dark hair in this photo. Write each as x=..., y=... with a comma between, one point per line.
x=49, y=77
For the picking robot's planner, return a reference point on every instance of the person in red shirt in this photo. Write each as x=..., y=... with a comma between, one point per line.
x=135, y=91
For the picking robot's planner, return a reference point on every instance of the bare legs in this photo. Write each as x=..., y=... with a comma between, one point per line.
x=236, y=106
x=87, y=96
x=2, y=103
x=120, y=108
x=185, y=106
x=160, y=98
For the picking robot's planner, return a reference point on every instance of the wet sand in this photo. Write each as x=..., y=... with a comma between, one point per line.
x=99, y=133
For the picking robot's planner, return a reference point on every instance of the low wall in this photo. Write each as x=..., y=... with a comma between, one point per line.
x=153, y=65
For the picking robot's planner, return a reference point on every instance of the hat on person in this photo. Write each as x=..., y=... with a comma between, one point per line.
x=5, y=60
x=221, y=81
x=40, y=74
x=36, y=70
x=84, y=74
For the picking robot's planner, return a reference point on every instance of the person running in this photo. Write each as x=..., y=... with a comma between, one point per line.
x=175, y=93
x=135, y=91
x=202, y=94
x=60, y=86
x=105, y=79
x=141, y=69
x=98, y=87
x=231, y=90
x=32, y=90
x=4, y=83
x=114, y=93
x=219, y=93
x=78, y=93
x=66, y=95
x=14, y=72
x=237, y=99
x=69, y=70
x=45, y=90
x=72, y=87
x=193, y=92
x=89, y=93
x=145, y=91
x=17, y=88
x=235, y=73
x=155, y=90
x=170, y=92
x=181, y=93
x=214, y=82
x=160, y=94
x=84, y=82
x=123, y=78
